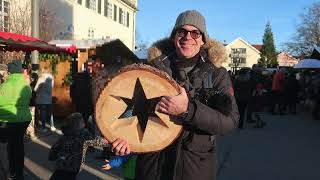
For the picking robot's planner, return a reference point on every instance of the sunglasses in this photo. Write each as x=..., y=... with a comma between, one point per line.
x=195, y=34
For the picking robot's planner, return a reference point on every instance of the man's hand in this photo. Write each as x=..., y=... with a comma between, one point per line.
x=174, y=105
x=121, y=147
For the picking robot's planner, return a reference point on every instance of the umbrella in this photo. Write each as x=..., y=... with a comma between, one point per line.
x=308, y=64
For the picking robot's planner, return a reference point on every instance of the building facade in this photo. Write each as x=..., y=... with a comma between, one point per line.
x=286, y=60
x=96, y=19
x=76, y=19
x=240, y=54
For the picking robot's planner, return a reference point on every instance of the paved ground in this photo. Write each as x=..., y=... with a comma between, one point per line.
x=38, y=167
x=288, y=148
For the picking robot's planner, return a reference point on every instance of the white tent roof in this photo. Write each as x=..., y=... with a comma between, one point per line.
x=81, y=44
x=308, y=64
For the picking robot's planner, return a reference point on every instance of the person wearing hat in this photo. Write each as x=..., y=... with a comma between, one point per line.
x=205, y=106
x=15, y=116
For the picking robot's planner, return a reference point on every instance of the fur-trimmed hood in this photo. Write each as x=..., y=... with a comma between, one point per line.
x=215, y=50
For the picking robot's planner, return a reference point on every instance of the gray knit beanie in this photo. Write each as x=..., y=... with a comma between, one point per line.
x=15, y=66
x=194, y=18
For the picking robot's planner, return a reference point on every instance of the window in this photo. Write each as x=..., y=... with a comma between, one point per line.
x=92, y=5
x=6, y=23
x=115, y=13
x=4, y=15
x=119, y=59
x=91, y=33
x=6, y=6
x=108, y=9
x=79, y=1
x=242, y=50
x=238, y=50
x=242, y=60
x=123, y=17
x=99, y=6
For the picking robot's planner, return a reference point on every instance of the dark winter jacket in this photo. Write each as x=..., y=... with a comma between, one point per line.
x=212, y=111
x=243, y=88
x=81, y=92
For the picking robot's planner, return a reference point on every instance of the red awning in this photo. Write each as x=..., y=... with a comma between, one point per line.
x=18, y=42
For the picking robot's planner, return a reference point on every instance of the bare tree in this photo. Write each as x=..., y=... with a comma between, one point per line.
x=307, y=34
x=140, y=43
x=20, y=17
x=49, y=21
x=20, y=22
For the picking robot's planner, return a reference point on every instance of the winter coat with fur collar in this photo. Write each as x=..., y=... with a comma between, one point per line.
x=193, y=154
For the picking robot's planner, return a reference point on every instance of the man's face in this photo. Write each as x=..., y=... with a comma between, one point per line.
x=187, y=42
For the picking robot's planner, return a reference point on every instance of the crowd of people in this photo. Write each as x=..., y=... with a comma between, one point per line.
x=259, y=91
x=211, y=102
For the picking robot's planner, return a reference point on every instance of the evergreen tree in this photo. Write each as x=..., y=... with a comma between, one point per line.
x=268, y=52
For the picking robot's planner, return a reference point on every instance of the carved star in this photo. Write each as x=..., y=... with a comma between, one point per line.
x=140, y=106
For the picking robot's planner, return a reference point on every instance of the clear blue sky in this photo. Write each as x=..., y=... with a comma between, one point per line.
x=226, y=19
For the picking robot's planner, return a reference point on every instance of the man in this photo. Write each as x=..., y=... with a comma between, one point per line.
x=81, y=94
x=278, y=84
x=205, y=106
x=243, y=92
x=15, y=116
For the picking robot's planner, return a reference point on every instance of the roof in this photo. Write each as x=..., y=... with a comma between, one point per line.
x=257, y=46
x=115, y=48
x=245, y=42
x=81, y=44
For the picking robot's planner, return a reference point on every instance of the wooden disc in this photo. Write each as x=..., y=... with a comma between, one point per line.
x=126, y=108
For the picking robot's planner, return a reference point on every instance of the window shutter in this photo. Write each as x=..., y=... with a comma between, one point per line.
x=106, y=8
x=87, y=3
x=99, y=6
x=128, y=19
x=115, y=13
x=120, y=16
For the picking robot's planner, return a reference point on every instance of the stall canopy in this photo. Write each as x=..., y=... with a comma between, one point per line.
x=18, y=42
x=308, y=64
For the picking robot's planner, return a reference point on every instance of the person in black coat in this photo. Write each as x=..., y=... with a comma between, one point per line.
x=243, y=92
x=205, y=106
x=81, y=94
x=292, y=89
